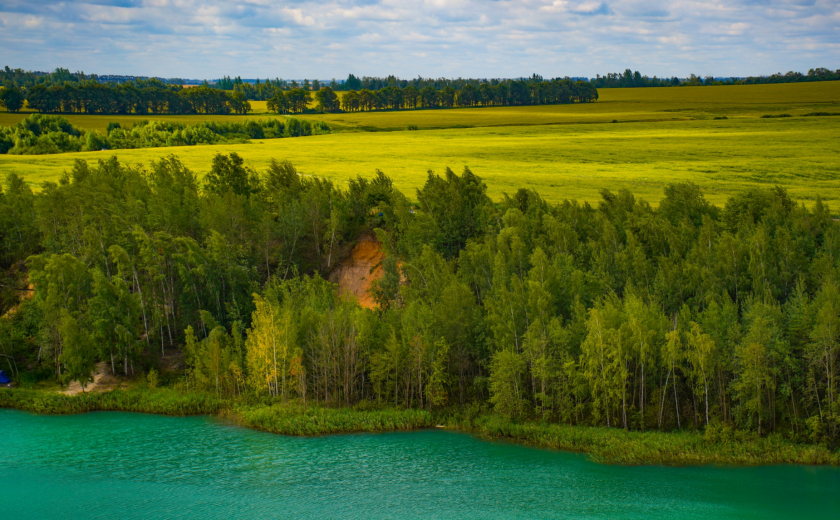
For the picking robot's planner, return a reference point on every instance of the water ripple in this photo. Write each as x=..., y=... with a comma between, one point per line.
x=122, y=465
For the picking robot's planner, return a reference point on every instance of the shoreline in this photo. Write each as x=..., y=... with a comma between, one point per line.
x=718, y=446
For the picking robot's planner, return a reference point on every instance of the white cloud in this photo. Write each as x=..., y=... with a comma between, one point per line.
x=31, y=22
x=736, y=29
x=299, y=18
x=505, y=38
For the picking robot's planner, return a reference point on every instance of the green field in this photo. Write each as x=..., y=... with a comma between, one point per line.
x=564, y=151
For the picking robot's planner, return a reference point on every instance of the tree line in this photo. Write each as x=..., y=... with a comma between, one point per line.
x=631, y=79
x=47, y=134
x=515, y=93
x=556, y=91
x=409, y=98
x=26, y=78
x=265, y=90
x=92, y=97
x=617, y=313
x=63, y=92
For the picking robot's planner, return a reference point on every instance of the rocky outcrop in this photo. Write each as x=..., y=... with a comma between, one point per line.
x=356, y=273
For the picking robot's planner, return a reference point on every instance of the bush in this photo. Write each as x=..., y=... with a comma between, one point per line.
x=160, y=401
x=320, y=128
x=45, y=134
x=95, y=141
x=294, y=419
x=152, y=378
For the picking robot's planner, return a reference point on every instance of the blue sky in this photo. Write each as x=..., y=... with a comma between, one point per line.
x=451, y=38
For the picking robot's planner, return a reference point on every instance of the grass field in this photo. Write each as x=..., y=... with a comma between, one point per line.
x=623, y=105
x=564, y=151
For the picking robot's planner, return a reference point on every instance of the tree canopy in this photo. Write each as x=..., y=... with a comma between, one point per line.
x=618, y=313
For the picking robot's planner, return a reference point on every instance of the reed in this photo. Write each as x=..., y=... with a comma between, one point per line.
x=717, y=446
x=287, y=419
x=293, y=419
x=158, y=401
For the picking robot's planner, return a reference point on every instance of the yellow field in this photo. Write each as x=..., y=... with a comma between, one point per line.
x=623, y=105
x=566, y=151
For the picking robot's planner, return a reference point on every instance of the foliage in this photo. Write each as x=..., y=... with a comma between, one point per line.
x=12, y=99
x=718, y=445
x=630, y=79
x=290, y=419
x=92, y=97
x=46, y=134
x=159, y=401
x=516, y=92
x=621, y=314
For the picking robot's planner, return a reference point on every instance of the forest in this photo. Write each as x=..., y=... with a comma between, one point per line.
x=63, y=91
x=98, y=98
x=631, y=79
x=622, y=314
x=68, y=93
x=626, y=79
x=92, y=97
x=47, y=134
x=515, y=93
x=26, y=78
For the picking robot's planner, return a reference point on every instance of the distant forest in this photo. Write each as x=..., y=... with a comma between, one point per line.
x=630, y=79
x=154, y=97
x=263, y=90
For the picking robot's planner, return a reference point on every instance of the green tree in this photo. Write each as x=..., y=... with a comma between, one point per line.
x=78, y=356
x=458, y=208
x=601, y=358
x=228, y=173
x=506, y=392
x=327, y=100
x=823, y=351
x=12, y=98
x=702, y=355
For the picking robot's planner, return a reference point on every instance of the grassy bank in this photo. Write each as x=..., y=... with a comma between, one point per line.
x=160, y=401
x=289, y=419
x=718, y=445
x=297, y=420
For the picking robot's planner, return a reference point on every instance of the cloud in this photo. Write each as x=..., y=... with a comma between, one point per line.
x=32, y=22
x=584, y=8
x=299, y=18
x=477, y=38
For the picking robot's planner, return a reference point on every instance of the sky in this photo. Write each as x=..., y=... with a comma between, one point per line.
x=430, y=38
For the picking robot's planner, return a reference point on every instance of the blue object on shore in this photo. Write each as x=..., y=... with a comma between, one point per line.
x=4, y=379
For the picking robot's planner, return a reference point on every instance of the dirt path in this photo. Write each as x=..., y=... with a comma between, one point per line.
x=102, y=380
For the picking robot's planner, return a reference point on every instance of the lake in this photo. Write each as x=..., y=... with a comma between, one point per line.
x=124, y=465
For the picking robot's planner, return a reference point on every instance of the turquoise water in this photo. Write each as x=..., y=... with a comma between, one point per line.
x=122, y=465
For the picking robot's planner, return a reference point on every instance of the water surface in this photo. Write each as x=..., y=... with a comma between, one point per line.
x=123, y=465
